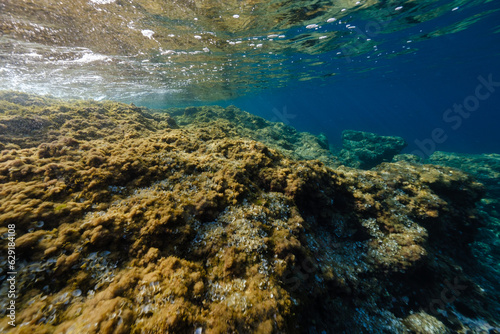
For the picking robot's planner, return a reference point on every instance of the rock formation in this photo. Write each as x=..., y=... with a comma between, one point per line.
x=366, y=150
x=130, y=221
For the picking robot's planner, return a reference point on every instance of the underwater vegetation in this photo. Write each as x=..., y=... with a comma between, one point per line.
x=486, y=246
x=211, y=220
x=366, y=150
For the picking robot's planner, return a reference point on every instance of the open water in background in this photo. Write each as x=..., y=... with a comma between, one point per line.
x=428, y=71
x=406, y=95
x=389, y=67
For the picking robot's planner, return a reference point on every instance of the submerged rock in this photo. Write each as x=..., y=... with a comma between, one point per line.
x=238, y=123
x=486, y=246
x=485, y=167
x=152, y=225
x=366, y=150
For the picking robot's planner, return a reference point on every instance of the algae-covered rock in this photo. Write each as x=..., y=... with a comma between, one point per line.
x=366, y=150
x=284, y=138
x=130, y=222
x=423, y=323
x=485, y=167
x=407, y=157
x=486, y=246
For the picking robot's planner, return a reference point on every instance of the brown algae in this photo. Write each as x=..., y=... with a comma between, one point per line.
x=133, y=221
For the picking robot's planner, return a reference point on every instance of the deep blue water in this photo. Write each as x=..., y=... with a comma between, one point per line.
x=389, y=67
x=411, y=101
x=432, y=79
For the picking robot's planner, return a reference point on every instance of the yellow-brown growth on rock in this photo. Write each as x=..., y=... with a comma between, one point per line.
x=129, y=223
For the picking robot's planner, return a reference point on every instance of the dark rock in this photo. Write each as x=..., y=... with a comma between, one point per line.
x=366, y=150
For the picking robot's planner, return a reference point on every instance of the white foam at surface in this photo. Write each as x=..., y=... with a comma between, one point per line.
x=148, y=33
x=33, y=55
x=311, y=26
x=90, y=57
x=102, y=2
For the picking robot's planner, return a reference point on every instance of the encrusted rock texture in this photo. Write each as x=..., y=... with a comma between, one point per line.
x=133, y=221
x=366, y=150
x=486, y=246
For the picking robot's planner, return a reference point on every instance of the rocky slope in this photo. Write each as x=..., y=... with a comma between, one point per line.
x=129, y=221
x=486, y=246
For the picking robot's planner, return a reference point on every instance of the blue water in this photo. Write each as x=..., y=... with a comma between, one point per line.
x=409, y=101
x=392, y=68
x=427, y=71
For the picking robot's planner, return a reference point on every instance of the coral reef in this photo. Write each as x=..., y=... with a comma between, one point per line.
x=366, y=150
x=133, y=221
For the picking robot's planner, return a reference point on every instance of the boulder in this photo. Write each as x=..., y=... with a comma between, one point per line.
x=366, y=150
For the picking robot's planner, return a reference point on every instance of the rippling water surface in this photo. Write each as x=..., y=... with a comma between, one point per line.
x=213, y=50
x=382, y=244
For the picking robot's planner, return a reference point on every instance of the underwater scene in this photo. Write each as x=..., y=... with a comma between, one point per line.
x=248, y=166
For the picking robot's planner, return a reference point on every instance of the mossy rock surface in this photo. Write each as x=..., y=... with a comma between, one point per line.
x=283, y=138
x=366, y=150
x=486, y=247
x=133, y=221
